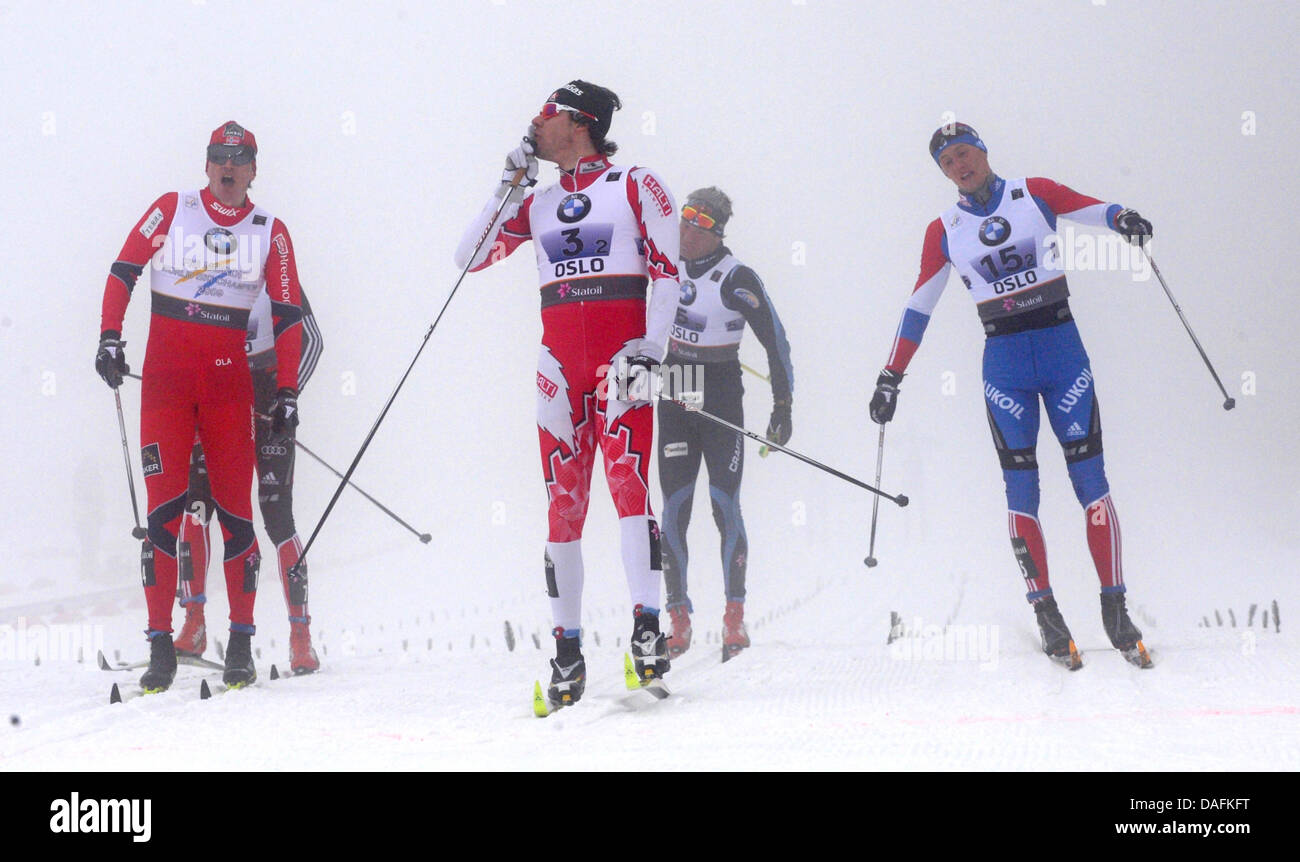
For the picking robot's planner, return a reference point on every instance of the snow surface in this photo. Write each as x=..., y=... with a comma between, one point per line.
x=381, y=131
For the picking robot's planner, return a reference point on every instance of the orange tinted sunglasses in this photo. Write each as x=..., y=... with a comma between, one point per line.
x=691, y=215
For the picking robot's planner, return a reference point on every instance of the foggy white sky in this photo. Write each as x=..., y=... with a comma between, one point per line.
x=382, y=128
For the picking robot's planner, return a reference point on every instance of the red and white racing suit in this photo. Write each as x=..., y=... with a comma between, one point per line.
x=601, y=234
x=209, y=264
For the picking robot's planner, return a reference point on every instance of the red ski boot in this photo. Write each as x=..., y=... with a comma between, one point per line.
x=680, y=640
x=193, y=639
x=302, y=658
x=735, y=637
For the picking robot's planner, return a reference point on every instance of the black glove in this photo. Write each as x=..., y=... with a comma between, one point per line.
x=780, y=426
x=886, y=397
x=632, y=379
x=1134, y=228
x=284, y=415
x=110, y=360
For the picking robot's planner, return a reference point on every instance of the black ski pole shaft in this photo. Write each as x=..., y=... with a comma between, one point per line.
x=900, y=499
x=519, y=175
x=139, y=532
x=1228, y=402
x=875, y=502
x=424, y=537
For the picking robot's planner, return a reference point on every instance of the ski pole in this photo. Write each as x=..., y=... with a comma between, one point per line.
x=1228, y=402
x=875, y=503
x=900, y=499
x=424, y=537
x=762, y=450
x=293, y=572
x=139, y=532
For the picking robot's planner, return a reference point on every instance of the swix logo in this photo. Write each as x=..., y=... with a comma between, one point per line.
x=547, y=386
x=657, y=192
x=220, y=209
x=131, y=816
x=1081, y=385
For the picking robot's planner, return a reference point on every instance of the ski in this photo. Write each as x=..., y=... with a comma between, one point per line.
x=654, y=686
x=206, y=692
x=1073, y=660
x=181, y=659
x=1138, y=656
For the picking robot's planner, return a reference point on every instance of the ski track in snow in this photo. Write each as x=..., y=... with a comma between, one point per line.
x=820, y=689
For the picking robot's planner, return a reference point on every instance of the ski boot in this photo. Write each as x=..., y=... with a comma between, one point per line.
x=1124, y=636
x=568, y=671
x=240, y=670
x=162, y=664
x=680, y=640
x=302, y=657
x=735, y=637
x=649, y=646
x=193, y=639
x=1057, y=642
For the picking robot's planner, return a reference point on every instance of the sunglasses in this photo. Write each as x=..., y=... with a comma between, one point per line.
x=691, y=215
x=550, y=109
x=239, y=154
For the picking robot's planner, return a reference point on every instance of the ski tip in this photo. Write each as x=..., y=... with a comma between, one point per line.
x=630, y=679
x=114, y=696
x=103, y=662
x=540, y=707
x=275, y=674
x=204, y=691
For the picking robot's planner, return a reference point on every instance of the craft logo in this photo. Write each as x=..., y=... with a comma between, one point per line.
x=151, y=460
x=130, y=816
x=573, y=208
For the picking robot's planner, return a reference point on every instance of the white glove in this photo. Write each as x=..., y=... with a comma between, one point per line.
x=520, y=158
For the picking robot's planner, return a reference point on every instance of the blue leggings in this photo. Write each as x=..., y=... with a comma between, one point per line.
x=1051, y=363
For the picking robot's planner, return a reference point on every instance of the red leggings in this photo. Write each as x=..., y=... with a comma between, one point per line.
x=196, y=379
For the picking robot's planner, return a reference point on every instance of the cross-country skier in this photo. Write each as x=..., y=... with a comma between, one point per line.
x=212, y=254
x=606, y=243
x=275, y=463
x=999, y=236
x=719, y=296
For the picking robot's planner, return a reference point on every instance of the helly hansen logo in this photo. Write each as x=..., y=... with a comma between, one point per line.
x=151, y=460
x=1076, y=391
x=130, y=816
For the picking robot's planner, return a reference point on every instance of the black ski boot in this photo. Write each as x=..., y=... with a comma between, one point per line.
x=1123, y=634
x=239, y=661
x=1057, y=642
x=568, y=672
x=649, y=647
x=162, y=664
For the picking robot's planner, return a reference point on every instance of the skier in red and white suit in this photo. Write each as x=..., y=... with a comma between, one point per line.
x=212, y=252
x=602, y=234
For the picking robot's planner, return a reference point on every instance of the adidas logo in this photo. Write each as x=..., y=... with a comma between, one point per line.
x=1074, y=429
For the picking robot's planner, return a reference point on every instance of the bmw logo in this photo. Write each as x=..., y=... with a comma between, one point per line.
x=688, y=292
x=994, y=230
x=220, y=241
x=573, y=208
